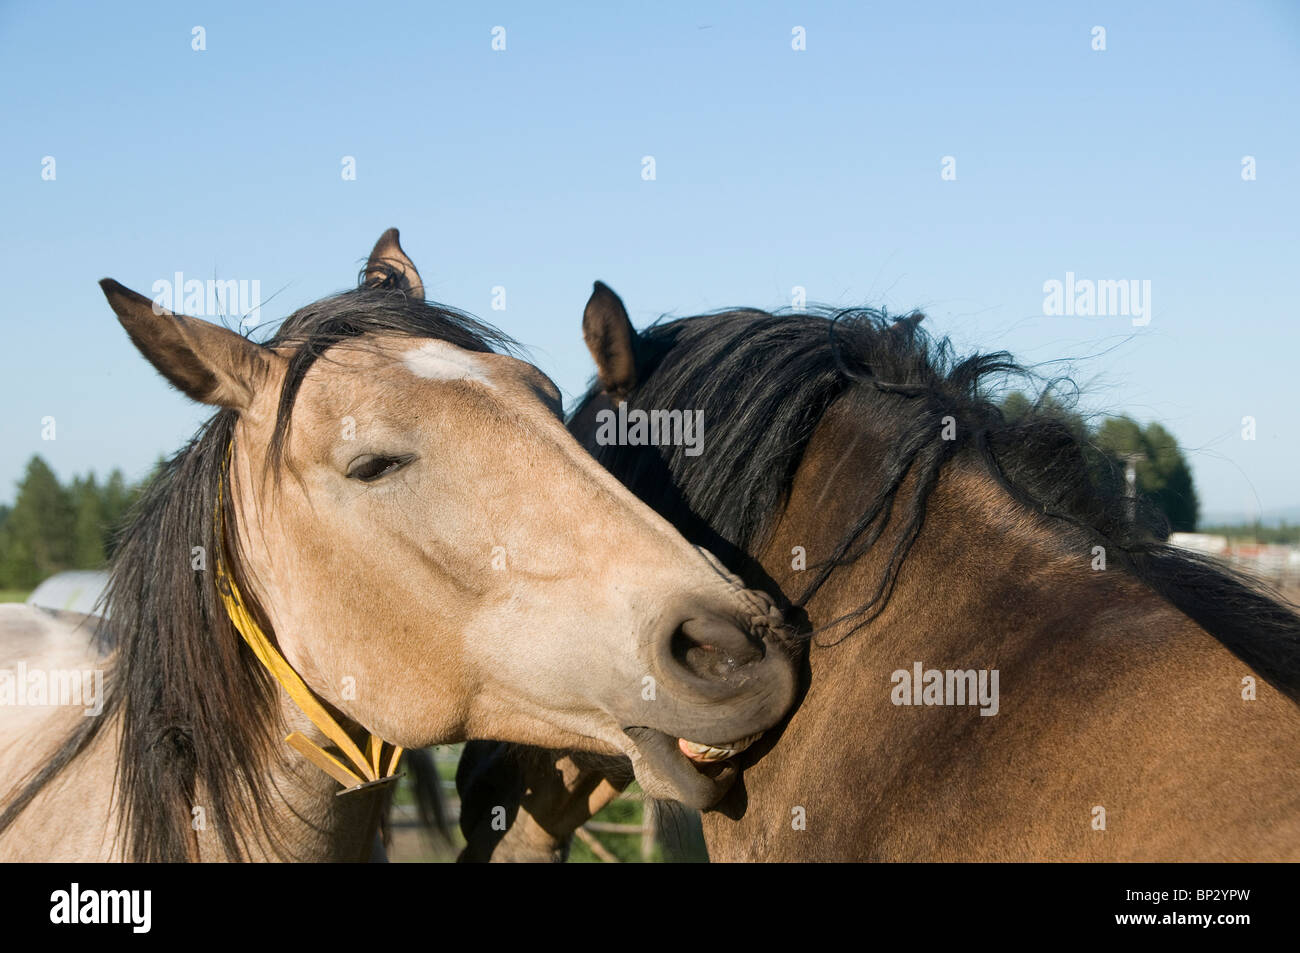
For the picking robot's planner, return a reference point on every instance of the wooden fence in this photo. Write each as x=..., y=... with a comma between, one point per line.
x=590, y=833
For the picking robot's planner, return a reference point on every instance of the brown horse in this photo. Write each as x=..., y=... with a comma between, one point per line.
x=393, y=518
x=1004, y=662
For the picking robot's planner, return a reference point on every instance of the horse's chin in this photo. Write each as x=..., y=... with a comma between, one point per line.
x=665, y=772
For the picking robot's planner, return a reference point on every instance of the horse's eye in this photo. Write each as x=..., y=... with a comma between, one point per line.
x=371, y=467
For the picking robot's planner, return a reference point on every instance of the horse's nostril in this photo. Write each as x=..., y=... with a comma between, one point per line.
x=712, y=648
x=703, y=660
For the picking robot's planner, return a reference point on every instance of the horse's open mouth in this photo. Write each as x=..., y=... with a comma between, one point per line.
x=706, y=754
x=693, y=773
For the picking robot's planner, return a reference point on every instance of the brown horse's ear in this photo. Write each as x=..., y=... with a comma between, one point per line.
x=908, y=322
x=205, y=361
x=389, y=267
x=611, y=339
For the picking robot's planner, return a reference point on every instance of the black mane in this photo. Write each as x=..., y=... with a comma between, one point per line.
x=197, y=710
x=764, y=381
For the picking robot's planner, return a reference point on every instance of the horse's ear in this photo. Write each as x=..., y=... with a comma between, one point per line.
x=388, y=267
x=612, y=341
x=907, y=323
x=203, y=360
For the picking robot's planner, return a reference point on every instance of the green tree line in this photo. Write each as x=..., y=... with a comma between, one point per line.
x=52, y=527
x=1284, y=533
x=1163, y=476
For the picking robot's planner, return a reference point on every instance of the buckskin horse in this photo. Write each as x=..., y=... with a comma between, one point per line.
x=384, y=538
x=854, y=467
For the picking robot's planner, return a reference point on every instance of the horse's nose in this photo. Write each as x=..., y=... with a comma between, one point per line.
x=722, y=675
x=709, y=653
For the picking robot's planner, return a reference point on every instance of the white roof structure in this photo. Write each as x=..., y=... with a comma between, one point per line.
x=1200, y=542
x=73, y=591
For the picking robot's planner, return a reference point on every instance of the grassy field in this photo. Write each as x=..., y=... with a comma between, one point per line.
x=13, y=595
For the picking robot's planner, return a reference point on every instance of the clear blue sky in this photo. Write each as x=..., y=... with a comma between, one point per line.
x=775, y=168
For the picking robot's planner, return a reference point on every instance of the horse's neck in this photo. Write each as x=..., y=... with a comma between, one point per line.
x=83, y=803
x=307, y=821
x=1104, y=687
x=976, y=548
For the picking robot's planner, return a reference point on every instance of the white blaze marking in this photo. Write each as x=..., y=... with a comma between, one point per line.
x=441, y=361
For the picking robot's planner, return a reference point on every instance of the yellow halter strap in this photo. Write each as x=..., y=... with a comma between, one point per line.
x=367, y=773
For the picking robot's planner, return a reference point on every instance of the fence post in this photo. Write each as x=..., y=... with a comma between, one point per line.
x=649, y=827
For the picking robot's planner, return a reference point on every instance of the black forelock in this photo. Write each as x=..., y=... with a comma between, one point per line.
x=368, y=310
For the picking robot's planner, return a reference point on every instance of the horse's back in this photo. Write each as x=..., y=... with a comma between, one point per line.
x=50, y=674
x=28, y=631
x=52, y=677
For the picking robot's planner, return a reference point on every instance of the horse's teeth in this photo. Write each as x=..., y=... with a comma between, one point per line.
x=701, y=752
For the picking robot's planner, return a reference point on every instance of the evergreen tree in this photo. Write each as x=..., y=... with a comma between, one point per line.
x=1162, y=473
x=118, y=498
x=88, y=536
x=1015, y=405
x=39, y=532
